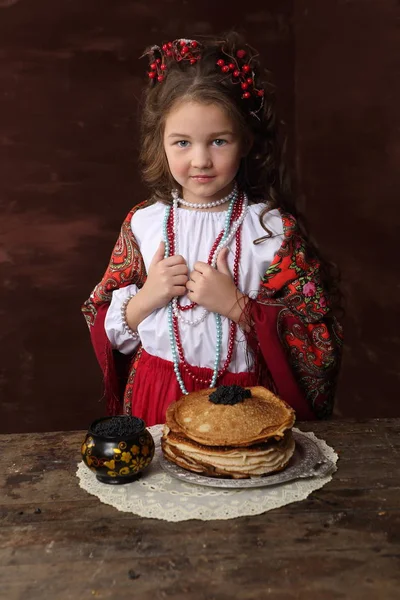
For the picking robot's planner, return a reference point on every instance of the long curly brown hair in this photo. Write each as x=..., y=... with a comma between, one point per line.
x=262, y=174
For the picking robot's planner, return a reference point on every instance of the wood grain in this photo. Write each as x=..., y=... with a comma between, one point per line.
x=58, y=542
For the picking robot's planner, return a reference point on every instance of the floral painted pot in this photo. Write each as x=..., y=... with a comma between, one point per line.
x=118, y=458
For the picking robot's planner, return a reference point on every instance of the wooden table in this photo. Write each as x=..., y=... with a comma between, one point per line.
x=59, y=542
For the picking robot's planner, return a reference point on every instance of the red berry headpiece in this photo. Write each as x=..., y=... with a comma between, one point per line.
x=240, y=69
x=179, y=50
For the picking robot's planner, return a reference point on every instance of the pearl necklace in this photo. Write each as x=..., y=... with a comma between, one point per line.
x=231, y=197
x=230, y=230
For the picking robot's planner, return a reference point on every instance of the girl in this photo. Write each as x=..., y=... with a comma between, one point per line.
x=213, y=281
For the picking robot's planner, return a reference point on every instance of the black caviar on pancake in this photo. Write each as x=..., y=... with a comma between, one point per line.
x=229, y=394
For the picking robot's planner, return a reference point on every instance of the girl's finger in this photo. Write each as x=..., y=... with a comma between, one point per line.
x=159, y=254
x=195, y=276
x=179, y=270
x=179, y=290
x=174, y=260
x=180, y=279
x=201, y=267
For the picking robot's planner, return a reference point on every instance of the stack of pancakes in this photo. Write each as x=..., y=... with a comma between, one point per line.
x=252, y=437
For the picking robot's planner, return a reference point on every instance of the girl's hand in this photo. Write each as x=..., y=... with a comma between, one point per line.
x=214, y=289
x=166, y=278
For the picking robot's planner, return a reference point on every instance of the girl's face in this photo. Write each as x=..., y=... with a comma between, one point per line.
x=203, y=150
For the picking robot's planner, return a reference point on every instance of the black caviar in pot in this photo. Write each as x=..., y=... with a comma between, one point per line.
x=117, y=426
x=118, y=449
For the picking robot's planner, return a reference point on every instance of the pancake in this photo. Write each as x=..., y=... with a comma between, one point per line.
x=254, y=419
x=236, y=463
x=250, y=436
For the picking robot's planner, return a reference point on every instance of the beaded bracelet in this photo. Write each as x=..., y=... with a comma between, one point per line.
x=134, y=334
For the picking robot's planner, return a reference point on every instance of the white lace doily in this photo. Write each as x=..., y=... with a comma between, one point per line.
x=159, y=496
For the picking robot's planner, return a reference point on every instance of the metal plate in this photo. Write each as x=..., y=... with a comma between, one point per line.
x=307, y=461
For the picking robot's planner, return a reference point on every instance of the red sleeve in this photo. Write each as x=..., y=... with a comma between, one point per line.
x=126, y=267
x=114, y=365
x=265, y=319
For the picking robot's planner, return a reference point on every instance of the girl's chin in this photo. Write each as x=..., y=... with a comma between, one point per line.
x=203, y=190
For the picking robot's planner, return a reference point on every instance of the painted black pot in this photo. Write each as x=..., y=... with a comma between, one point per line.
x=118, y=459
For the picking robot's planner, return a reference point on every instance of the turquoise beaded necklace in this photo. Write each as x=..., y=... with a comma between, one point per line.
x=218, y=321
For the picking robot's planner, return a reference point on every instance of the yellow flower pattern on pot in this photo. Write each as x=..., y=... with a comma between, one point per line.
x=126, y=457
x=110, y=464
x=138, y=463
x=118, y=459
x=135, y=449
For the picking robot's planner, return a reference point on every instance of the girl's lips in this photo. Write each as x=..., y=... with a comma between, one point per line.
x=202, y=177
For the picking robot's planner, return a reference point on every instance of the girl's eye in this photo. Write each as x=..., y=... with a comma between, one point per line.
x=182, y=144
x=219, y=142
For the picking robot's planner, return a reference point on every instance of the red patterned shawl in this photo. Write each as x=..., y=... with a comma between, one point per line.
x=295, y=334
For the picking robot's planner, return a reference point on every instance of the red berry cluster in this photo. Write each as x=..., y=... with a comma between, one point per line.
x=242, y=75
x=178, y=50
x=183, y=50
x=157, y=70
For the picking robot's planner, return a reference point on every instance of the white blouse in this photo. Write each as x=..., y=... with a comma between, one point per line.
x=197, y=232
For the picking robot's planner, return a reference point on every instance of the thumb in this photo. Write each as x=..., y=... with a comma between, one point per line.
x=222, y=262
x=159, y=254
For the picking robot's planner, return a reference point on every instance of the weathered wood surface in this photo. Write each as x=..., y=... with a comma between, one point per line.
x=342, y=542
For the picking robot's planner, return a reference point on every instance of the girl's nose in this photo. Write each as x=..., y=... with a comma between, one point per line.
x=201, y=159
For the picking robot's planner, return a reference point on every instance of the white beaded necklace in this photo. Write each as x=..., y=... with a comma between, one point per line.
x=199, y=205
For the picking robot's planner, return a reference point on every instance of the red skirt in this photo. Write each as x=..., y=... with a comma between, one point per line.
x=155, y=386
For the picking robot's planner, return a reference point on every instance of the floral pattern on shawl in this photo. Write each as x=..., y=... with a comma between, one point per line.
x=311, y=335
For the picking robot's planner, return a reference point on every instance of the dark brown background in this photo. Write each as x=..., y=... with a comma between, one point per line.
x=70, y=80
